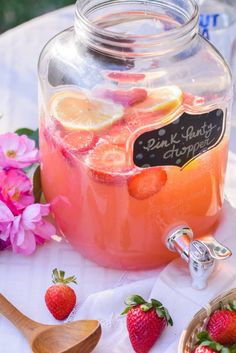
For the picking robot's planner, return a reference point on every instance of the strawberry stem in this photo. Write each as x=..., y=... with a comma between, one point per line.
x=58, y=276
x=205, y=341
x=135, y=300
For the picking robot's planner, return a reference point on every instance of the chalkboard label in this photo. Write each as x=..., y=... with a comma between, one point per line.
x=181, y=141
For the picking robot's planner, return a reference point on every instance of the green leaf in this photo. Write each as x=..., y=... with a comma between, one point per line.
x=24, y=131
x=218, y=346
x=55, y=275
x=71, y=279
x=168, y=317
x=134, y=300
x=127, y=309
x=170, y=321
x=37, y=186
x=156, y=303
x=203, y=335
x=62, y=274
x=32, y=134
x=58, y=276
x=232, y=349
x=225, y=350
x=232, y=306
x=207, y=343
x=160, y=312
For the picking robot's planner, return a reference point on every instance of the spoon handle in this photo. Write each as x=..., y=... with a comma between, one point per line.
x=22, y=322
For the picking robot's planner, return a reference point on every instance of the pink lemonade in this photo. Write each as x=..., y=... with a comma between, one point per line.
x=110, y=210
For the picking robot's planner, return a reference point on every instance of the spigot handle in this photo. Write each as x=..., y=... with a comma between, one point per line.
x=216, y=250
x=200, y=254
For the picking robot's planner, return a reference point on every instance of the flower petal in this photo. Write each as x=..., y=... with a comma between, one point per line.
x=23, y=151
x=5, y=214
x=45, y=230
x=28, y=246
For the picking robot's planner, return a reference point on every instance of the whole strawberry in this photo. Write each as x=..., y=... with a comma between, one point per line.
x=60, y=298
x=145, y=322
x=203, y=349
x=222, y=325
x=205, y=344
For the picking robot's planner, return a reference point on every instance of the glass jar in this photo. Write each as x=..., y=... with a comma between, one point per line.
x=134, y=129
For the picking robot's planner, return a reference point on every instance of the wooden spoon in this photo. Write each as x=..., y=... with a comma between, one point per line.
x=74, y=337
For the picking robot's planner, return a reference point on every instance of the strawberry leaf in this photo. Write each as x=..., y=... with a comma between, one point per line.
x=225, y=350
x=160, y=312
x=71, y=279
x=156, y=303
x=203, y=336
x=207, y=343
x=59, y=277
x=232, y=349
x=217, y=346
x=232, y=306
x=127, y=309
x=134, y=300
x=55, y=276
x=168, y=317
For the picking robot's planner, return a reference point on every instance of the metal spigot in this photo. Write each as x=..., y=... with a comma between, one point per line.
x=199, y=254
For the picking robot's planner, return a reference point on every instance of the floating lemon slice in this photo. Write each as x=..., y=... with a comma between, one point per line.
x=75, y=110
x=164, y=98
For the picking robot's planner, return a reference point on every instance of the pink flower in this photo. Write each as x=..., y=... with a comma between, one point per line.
x=17, y=151
x=15, y=189
x=5, y=244
x=6, y=221
x=30, y=228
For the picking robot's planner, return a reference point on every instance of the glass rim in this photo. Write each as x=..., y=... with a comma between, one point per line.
x=121, y=40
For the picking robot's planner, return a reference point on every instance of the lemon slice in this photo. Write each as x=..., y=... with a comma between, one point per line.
x=164, y=98
x=75, y=110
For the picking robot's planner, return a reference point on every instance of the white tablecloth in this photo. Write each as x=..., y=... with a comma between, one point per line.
x=25, y=279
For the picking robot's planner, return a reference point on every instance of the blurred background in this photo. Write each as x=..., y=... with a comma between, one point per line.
x=15, y=12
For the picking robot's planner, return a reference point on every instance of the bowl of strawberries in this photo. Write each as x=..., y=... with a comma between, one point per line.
x=213, y=328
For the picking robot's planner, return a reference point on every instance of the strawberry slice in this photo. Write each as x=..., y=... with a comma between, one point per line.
x=80, y=141
x=108, y=163
x=136, y=120
x=126, y=98
x=147, y=183
x=119, y=133
x=126, y=77
x=189, y=100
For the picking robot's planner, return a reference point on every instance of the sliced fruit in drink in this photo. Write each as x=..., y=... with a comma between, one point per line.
x=125, y=77
x=136, y=120
x=108, y=162
x=80, y=141
x=76, y=111
x=168, y=97
x=119, y=134
x=159, y=103
x=189, y=100
x=147, y=183
x=127, y=98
